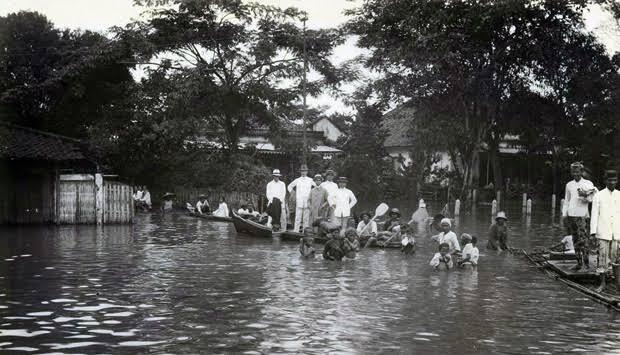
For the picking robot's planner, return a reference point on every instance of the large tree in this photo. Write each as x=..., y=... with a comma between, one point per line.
x=464, y=63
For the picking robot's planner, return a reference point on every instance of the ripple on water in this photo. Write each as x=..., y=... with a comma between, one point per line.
x=23, y=333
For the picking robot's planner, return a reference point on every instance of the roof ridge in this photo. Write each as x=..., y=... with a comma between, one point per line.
x=44, y=133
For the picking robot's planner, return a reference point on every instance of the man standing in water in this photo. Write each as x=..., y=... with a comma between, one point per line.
x=331, y=187
x=302, y=186
x=276, y=195
x=605, y=224
x=342, y=201
x=578, y=194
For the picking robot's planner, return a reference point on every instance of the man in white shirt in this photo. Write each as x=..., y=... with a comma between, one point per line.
x=331, y=187
x=276, y=195
x=342, y=201
x=447, y=236
x=578, y=194
x=302, y=186
x=202, y=206
x=605, y=223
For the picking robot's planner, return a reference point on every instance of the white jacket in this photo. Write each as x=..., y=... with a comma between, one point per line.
x=344, y=200
x=276, y=189
x=605, y=221
x=302, y=186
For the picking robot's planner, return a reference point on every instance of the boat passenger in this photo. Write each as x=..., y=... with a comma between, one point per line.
x=168, y=202
x=498, y=233
x=579, y=192
x=302, y=186
x=222, y=209
x=604, y=224
x=447, y=236
x=393, y=220
x=342, y=201
x=565, y=246
x=137, y=196
x=407, y=241
x=419, y=219
x=470, y=253
x=366, y=229
x=442, y=260
x=306, y=247
x=276, y=195
x=243, y=211
x=317, y=201
x=330, y=187
x=145, y=202
x=384, y=238
x=202, y=206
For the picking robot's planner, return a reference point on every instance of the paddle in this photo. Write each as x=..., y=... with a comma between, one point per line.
x=379, y=211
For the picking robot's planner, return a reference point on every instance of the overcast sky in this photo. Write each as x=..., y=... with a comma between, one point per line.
x=99, y=15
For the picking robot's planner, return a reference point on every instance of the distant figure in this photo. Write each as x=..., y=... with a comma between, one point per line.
x=442, y=260
x=420, y=219
x=326, y=229
x=407, y=241
x=306, y=247
x=366, y=229
x=202, y=206
x=498, y=233
x=565, y=246
x=302, y=186
x=331, y=187
x=605, y=224
x=470, y=253
x=276, y=195
x=435, y=226
x=351, y=244
x=168, y=202
x=393, y=220
x=447, y=236
x=333, y=249
x=222, y=209
x=317, y=201
x=137, y=196
x=145, y=201
x=342, y=201
x=243, y=211
x=578, y=194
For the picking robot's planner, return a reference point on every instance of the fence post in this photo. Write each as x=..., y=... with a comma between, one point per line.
x=457, y=208
x=529, y=207
x=494, y=208
x=474, y=196
x=553, y=203
x=99, y=205
x=498, y=197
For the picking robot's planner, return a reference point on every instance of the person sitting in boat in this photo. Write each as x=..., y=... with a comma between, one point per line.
x=243, y=211
x=393, y=220
x=222, y=209
x=168, y=202
x=419, y=219
x=447, y=236
x=565, y=246
x=470, y=253
x=145, y=201
x=407, y=241
x=366, y=228
x=306, y=247
x=498, y=233
x=384, y=238
x=442, y=260
x=253, y=212
x=202, y=206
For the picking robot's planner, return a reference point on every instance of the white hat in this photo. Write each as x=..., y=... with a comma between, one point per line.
x=446, y=221
x=276, y=172
x=501, y=214
x=422, y=204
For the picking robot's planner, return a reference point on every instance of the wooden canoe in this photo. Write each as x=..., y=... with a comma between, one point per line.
x=210, y=217
x=250, y=228
x=294, y=237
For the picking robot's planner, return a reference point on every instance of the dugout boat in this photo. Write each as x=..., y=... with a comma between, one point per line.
x=253, y=229
x=210, y=217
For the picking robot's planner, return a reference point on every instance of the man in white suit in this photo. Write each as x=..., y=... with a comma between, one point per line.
x=605, y=223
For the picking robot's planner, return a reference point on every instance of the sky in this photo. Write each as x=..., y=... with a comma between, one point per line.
x=99, y=15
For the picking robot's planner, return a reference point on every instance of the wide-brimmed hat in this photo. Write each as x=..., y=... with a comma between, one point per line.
x=169, y=194
x=343, y=179
x=318, y=176
x=202, y=196
x=365, y=214
x=330, y=171
x=611, y=174
x=466, y=236
x=576, y=165
x=395, y=211
x=303, y=167
x=501, y=215
x=276, y=172
x=446, y=221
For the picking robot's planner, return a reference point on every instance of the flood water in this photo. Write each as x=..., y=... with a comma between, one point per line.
x=175, y=284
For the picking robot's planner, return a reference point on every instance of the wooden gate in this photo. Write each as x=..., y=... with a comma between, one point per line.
x=117, y=202
x=76, y=199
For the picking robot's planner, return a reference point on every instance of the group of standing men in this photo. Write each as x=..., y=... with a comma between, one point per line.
x=315, y=199
x=604, y=224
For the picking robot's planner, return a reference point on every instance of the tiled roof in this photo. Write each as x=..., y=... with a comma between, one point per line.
x=17, y=143
x=397, y=124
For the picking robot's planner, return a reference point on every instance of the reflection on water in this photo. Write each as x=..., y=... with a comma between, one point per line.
x=181, y=285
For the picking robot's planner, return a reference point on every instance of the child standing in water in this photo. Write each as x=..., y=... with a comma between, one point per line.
x=407, y=241
x=442, y=260
x=306, y=247
x=470, y=253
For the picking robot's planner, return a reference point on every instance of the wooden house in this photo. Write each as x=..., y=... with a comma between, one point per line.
x=48, y=178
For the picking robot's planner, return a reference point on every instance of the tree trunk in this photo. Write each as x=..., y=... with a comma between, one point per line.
x=498, y=178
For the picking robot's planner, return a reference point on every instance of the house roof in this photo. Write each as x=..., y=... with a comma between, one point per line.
x=23, y=143
x=336, y=124
x=397, y=123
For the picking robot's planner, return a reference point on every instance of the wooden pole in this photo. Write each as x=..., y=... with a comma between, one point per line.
x=474, y=196
x=529, y=207
x=494, y=208
x=99, y=205
x=553, y=203
x=457, y=208
x=498, y=197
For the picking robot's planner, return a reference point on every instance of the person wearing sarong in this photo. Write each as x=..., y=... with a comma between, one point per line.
x=605, y=224
x=317, y=201
x=276, y=190
x=578, y=194
x=498, y=233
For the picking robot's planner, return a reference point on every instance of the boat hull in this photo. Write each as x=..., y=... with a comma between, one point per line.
x=251, y=228
x=209, y=217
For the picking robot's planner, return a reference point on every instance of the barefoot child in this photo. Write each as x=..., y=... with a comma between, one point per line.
x=306, y=247
x=442, y=260
x=407, y=241
x=470, y=252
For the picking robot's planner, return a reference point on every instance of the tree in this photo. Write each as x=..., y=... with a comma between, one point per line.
x=464, y=63
x=58, y=80
x=243, y=60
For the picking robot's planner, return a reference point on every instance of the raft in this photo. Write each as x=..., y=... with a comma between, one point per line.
x=253, y=229
x=577, y=280
x=210, y=217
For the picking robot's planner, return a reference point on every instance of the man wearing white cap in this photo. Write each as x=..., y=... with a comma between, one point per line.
x=447, y=236
x=302, y=186
x=579, y=192
x=342, y=201
x=276, y=195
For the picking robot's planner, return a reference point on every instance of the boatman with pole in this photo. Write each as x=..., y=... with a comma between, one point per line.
x=276, y=195
x=342, y=201
x=578, y=194
x=302, y=186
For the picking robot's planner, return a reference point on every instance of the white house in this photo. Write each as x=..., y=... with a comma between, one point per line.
x=331, y=130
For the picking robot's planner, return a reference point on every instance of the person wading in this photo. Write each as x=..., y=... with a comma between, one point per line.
x=276, y=195
x=302, y=186
x=578, y=194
